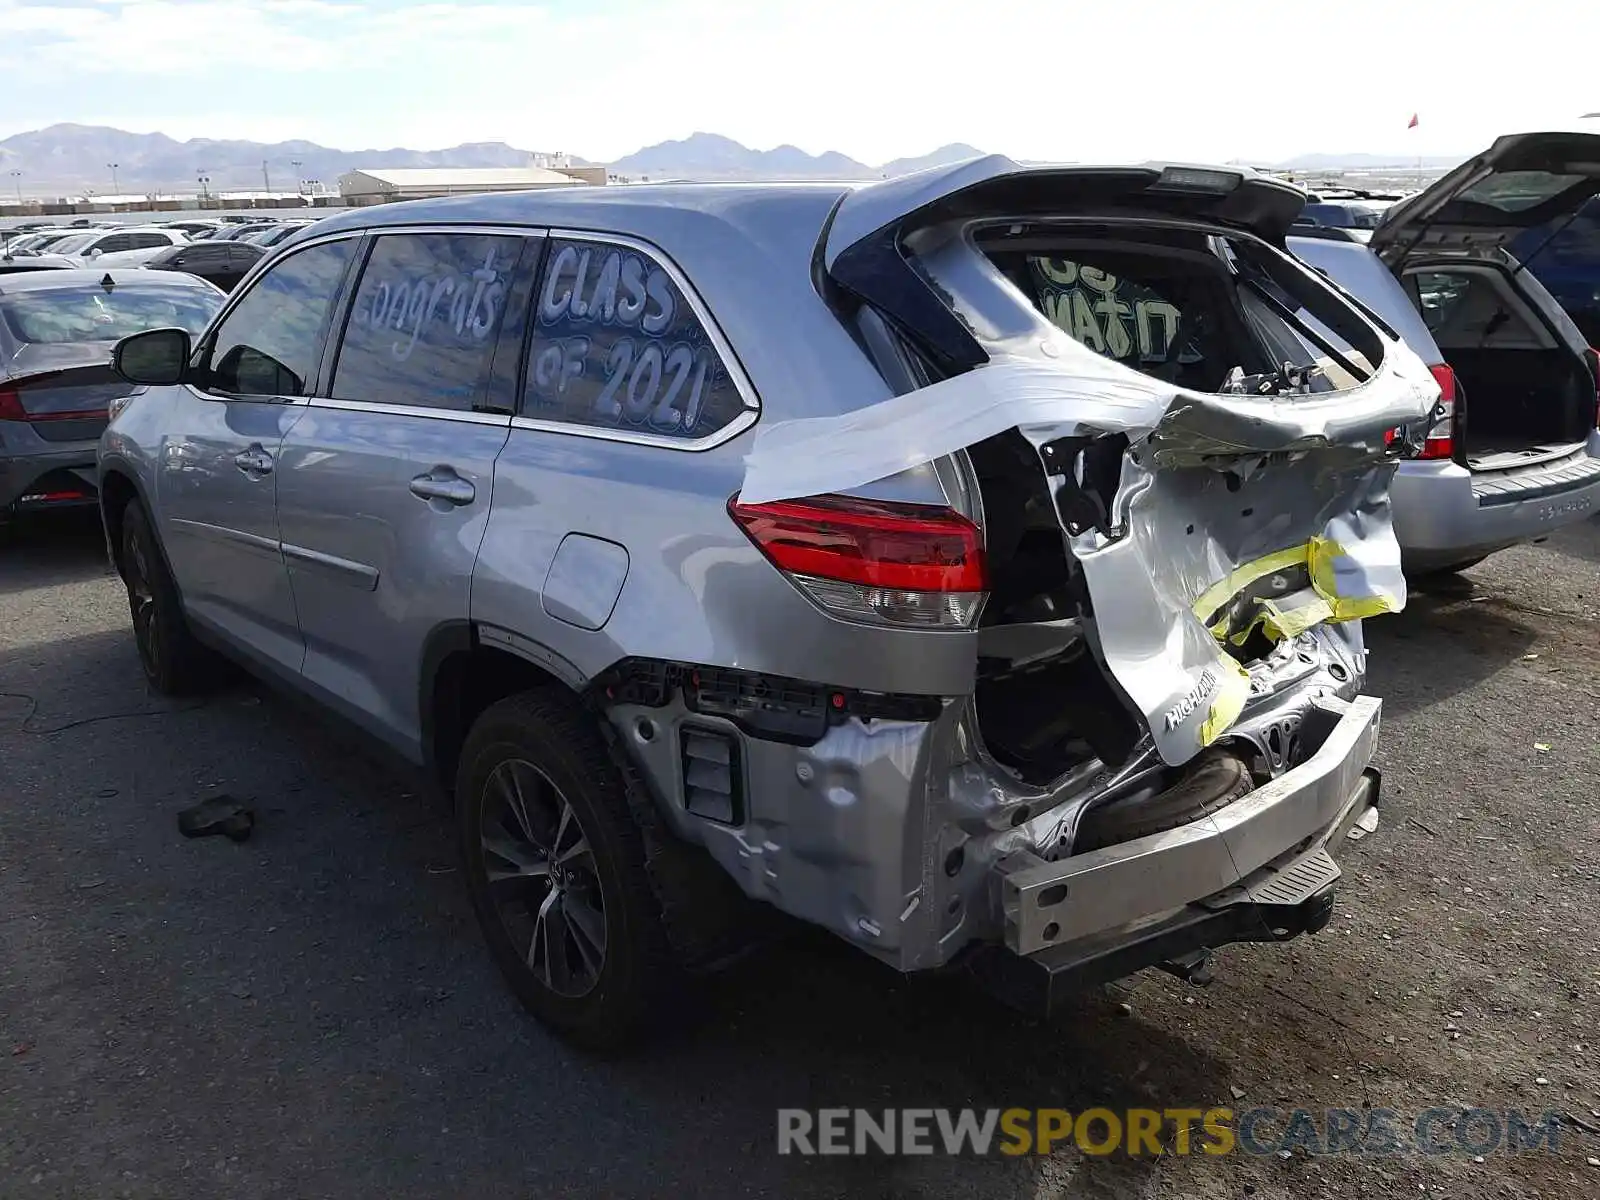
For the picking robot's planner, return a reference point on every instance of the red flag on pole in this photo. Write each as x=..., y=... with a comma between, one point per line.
x=1412, y=124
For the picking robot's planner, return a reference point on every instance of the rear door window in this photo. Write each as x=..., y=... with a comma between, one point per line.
x=426, y=315
x=618, y=346
x=270, y=342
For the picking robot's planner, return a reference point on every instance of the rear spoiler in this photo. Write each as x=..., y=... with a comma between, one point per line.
x=862, y=248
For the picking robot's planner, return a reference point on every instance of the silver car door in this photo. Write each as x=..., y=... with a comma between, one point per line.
x=384, y=484
x=218, y=465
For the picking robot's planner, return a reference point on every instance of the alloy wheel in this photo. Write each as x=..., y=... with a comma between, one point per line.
x=542, y=878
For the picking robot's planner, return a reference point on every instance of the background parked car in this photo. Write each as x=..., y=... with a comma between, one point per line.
x=1353, y=211
x=43, y=239
x=1513, y=452
x=195, y=229
x=56, y=383
x=233, y=233
x=223, y=264
x=35, y=262
x=272, y=235
x=108, y=241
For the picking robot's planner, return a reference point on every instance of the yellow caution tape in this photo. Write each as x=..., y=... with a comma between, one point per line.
x=1285, y=617
x=1225, y=709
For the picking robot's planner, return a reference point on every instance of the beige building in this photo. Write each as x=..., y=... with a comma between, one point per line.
x=381, y=185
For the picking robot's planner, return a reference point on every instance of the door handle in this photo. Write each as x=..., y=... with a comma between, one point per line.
x=254, y=461
x=444, y=484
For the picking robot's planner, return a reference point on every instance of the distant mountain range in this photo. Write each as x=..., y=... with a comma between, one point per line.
x=68, y=159
x=712, y=156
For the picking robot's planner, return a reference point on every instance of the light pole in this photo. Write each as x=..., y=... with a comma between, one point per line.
x=116, y=188
x=299, y=184
x=203, y=179
x=16, y=178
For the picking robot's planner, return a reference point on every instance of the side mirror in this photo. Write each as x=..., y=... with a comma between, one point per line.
x=96, y=252
x=155, y=358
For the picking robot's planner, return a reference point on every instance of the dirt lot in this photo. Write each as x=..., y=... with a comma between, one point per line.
x=310, y=1014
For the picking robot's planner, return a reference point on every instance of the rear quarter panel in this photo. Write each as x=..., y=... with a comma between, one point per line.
x=697, y=591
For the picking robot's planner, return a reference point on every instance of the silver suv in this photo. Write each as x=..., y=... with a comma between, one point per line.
x=781, y=536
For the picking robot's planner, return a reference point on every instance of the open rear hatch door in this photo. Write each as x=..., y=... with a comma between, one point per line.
x=1522, y=182
x=1201, y=521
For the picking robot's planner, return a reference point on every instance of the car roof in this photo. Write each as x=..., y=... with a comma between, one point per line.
x=629, y=208
x=40, y=281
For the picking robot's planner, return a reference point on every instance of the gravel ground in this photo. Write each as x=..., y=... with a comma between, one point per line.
x=310, y=1013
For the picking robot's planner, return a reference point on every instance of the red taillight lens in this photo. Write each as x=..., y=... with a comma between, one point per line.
x=11, y=410
x=892, y=564
x=1441, y=439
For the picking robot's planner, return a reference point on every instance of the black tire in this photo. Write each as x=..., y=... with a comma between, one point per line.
x=1217, y=779
x=174, y=663
x=546, y=731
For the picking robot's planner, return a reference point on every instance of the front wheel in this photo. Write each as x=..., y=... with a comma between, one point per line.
x=555, y=866
x=174, y=663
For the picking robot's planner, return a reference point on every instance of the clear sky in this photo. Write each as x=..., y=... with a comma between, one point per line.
x=876, y=79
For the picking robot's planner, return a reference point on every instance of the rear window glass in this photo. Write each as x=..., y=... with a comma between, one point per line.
x=1134, y=321
x=616, y=345
x=1165, y=316
x=1514, y=191
x=98, y=314
x=74, y=242
x=1203, y=314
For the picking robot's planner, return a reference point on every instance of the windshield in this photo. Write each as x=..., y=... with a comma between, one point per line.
x=75, y=243
x=94, y=314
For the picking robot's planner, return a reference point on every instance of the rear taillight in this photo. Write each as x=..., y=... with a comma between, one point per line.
x=11, y=410
x=1441, y=439
x=907, y=565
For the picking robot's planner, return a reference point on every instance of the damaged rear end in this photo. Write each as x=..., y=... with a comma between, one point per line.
x=1165, y=511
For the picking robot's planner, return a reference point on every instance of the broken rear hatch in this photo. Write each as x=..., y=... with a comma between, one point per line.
x=1220, y=494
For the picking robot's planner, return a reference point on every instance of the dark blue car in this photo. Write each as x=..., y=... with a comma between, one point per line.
x=1564, y=255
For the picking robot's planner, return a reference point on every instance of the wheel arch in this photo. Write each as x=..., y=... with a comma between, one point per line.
x=466, y=667
x=120, y=486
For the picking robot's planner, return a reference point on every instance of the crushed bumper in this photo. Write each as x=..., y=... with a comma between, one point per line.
x=1260, y=868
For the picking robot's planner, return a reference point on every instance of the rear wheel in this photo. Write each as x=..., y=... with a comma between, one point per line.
x=174, y=662
x=555, y=866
